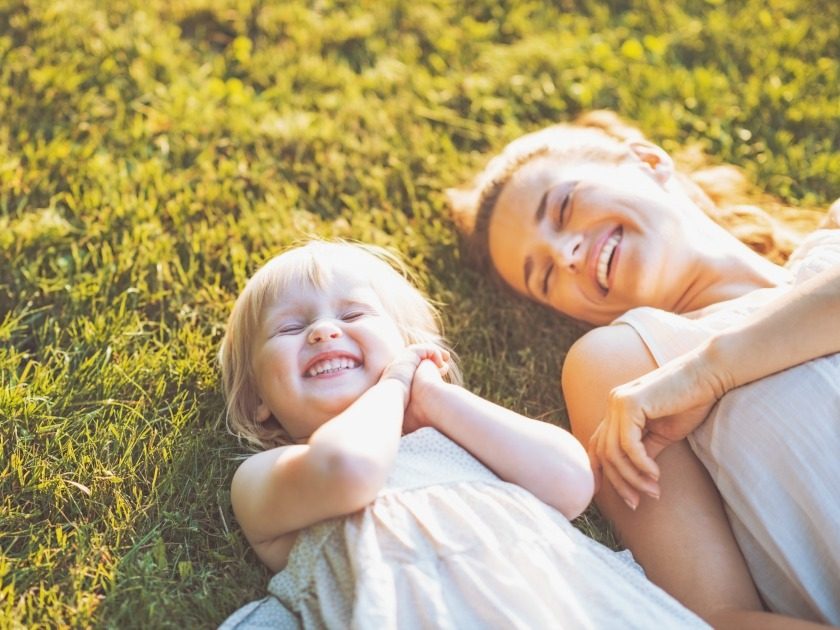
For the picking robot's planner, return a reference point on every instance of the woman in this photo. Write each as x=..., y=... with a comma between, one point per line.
x=595, y=222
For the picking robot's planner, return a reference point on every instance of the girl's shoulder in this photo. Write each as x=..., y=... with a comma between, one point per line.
x=254, y=464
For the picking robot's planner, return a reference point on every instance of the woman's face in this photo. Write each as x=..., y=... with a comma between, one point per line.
x=593, y=240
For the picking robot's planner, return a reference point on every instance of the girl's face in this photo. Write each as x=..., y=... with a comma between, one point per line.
x=318, y=350
x=593, y=240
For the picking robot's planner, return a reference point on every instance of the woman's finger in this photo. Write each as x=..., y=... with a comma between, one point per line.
x=595, y=460
x=622, y=488
x=623, y=466
x=627, y=494
x=630, y=440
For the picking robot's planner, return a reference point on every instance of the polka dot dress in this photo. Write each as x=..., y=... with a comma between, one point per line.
x=447, y=544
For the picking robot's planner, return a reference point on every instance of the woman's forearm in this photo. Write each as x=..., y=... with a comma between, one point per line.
x=800, y=326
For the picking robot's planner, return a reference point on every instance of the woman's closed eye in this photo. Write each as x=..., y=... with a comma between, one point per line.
x=565, y=209
x=549, y=269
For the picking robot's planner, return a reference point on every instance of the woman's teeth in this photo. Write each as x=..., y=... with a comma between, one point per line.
x=604, y=259
x=332, y=365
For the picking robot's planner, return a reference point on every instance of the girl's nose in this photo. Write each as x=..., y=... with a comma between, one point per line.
x=323, y=331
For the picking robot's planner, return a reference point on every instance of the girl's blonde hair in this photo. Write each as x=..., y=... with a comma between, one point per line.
x=722, y=192
x=314, y=263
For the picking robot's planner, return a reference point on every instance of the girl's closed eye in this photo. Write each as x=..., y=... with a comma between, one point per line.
x=289, y=328
x=354, y=310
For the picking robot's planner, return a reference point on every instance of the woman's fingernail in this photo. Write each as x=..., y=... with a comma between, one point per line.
x=630, y=504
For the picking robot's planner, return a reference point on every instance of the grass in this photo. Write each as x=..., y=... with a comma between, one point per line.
x=153, y=154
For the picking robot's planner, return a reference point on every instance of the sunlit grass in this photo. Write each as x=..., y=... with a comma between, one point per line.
x=153, y=154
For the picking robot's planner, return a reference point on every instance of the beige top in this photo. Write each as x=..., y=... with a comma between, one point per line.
x=447, y=544
x=773, y=449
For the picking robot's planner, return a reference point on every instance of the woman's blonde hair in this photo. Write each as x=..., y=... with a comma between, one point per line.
x=314, y=264
x=722, y=192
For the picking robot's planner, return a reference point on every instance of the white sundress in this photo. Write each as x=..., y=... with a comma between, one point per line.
x=772, y=448
x=447, y=544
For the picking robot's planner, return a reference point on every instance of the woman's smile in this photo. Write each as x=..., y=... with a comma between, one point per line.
x=608, y=259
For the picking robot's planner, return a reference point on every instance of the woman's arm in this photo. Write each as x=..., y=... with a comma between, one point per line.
x=647, y=414
x=540, y=457
x=339, y=470
x=683, y=540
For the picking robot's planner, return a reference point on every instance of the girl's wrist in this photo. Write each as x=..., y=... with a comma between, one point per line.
x=396, y=381
x=432, y=403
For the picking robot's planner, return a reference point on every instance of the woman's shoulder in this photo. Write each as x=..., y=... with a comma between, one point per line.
x=603, y=358
x=820, y=250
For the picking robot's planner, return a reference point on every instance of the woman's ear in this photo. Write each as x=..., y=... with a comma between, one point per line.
x=654, y=158
x=463, y=202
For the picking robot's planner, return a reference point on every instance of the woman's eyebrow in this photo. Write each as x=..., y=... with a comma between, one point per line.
x=540, y=213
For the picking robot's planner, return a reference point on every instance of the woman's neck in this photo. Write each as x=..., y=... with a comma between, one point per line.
x=727, y=271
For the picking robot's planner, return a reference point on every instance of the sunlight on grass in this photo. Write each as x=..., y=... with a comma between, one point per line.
x=153, y=154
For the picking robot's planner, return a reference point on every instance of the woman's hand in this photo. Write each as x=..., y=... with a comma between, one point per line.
x=645, y=416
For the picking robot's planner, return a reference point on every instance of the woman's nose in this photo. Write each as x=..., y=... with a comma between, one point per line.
x=323, y=331
x=568, y=251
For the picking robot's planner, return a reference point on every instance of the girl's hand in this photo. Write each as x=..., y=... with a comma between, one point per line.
x=425, y=392
x=645, y=416
x=404, y=366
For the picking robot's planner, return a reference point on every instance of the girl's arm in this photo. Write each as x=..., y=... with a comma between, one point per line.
x=339, y=470
x=647, y=414
x=540, y=457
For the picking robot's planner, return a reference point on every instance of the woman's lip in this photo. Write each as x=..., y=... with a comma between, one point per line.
x=613, y=262
x=595, y=256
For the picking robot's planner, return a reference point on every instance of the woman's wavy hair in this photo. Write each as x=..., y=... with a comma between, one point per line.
x=722, y=192
x=314, y=264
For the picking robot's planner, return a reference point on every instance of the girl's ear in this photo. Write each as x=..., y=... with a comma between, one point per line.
x=263, y=412
x=654, y=158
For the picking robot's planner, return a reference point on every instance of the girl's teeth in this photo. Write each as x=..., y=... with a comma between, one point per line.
x=332, y=365
x=604, y=259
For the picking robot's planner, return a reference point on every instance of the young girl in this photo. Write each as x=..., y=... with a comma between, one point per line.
x=388, y=497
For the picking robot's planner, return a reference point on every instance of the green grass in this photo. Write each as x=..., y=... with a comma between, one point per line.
x=153, y=154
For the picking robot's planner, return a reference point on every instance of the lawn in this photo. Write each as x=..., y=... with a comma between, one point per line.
x=154, y=153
